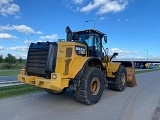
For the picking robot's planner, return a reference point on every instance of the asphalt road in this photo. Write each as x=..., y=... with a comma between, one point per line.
x=8, y=78
x=138, y=103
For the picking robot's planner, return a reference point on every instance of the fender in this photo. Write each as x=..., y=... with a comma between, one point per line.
x=80, y=63
x=112, y=68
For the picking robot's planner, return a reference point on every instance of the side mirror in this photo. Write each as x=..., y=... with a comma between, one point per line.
x=105, y=39
x=115, y=54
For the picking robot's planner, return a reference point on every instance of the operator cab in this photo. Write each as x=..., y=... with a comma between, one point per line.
x=92, y=39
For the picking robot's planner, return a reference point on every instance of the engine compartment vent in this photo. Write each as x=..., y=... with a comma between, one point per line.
x=41, y=59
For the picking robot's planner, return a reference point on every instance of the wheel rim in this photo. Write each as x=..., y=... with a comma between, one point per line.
x=123, y=79
x=95, y=86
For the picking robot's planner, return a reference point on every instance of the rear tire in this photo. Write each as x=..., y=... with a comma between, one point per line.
x=91, y=86
x=121, y=79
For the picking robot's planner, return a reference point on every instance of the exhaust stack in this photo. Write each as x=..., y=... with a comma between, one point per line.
x=69, y=34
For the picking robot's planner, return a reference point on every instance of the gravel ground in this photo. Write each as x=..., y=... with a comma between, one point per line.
x=138, y=103
x=156, y=115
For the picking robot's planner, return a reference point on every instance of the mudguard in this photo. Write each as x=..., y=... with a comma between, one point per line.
x=112, y=68
x=79, y=64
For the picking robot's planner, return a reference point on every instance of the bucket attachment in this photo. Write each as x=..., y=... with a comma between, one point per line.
x=131, y=80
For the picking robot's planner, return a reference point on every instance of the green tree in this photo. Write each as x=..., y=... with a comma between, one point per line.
x=1, y=59
x=20, y=60
x=10, y=59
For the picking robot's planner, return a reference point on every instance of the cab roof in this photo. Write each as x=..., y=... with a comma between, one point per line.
x=90, y=31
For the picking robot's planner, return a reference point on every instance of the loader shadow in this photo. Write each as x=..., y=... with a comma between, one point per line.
x=66, y=97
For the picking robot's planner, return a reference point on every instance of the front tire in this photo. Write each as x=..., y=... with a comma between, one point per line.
x=91, y=86
x=121, y=79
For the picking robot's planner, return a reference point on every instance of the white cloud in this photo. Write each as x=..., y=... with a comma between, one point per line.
x=17, y=17
x=28, y=42
x=113, y=50
x=73, y=4
x=122, y=53
x=39, y=41
x=98, y=6
x=20, y=28
x=102, y=18
x=105, y=6
x=23, y=29
x=7, y=7
x=7, y=36
x=22, y=55
x=18, y=48
x=1, y=48
x=112, y=6
x=49, y=37
x=7, y=27
x=78, y=1
x=38, y=32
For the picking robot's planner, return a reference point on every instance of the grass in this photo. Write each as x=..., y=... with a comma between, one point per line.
x=17, y=90
x=16, y=72
x=9, y=72
x=144, y=71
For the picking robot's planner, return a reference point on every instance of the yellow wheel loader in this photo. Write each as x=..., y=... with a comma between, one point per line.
x=79, y=63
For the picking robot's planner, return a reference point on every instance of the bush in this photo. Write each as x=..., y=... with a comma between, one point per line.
x=12, y=66
x=1, y=59
x=10, y=62
x=6, y=66
x=10, y=59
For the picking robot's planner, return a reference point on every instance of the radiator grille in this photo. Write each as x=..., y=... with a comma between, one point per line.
x=68, y=52
x=68, y=60
x=41, y=59
x=67, y=66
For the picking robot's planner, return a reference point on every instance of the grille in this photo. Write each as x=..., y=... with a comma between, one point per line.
x=68, y=52
x=41, y=59
x=68, y=60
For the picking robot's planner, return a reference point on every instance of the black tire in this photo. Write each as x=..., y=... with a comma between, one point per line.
x=91, y=86
x=121, y=79
x=55, y=92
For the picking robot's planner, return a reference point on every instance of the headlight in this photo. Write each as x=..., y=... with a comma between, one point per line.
x=54, y=76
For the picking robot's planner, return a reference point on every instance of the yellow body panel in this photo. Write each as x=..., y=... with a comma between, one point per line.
x=54, y=84
x=77, y=65
x=62, y=58
x=63, y=72
x=112, y=68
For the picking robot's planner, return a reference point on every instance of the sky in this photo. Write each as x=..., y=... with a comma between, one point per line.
x=132, y=26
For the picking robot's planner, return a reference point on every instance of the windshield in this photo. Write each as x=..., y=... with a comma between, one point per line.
x=86, y=40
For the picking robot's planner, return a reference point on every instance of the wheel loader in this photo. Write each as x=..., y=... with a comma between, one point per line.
x=79, y=63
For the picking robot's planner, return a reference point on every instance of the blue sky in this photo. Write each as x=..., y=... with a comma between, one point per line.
x=132, y=26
